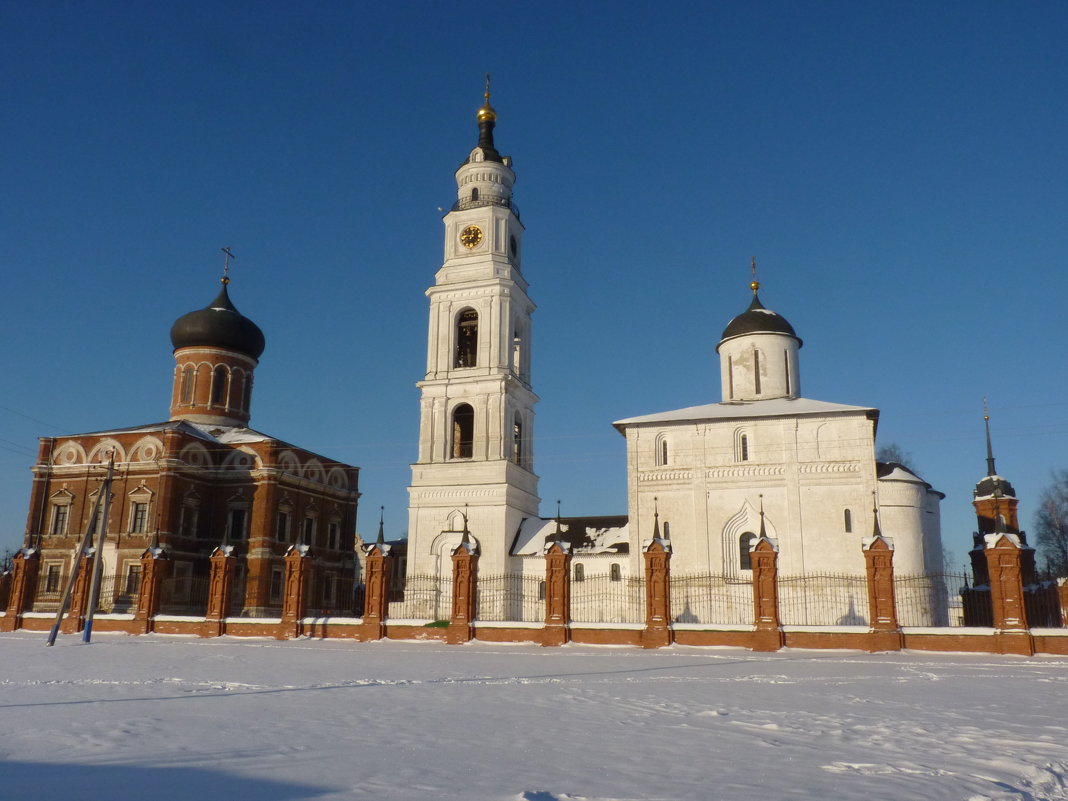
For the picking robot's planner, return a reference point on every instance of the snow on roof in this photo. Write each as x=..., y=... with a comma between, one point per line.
x=586, y=535
x=776, y=407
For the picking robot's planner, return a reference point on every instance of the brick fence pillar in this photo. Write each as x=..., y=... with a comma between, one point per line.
x=24, y=571
x=557, y=629
x=764, y=558
x=885, y=632
x=220, y=584
x=376, y=594
x=464, y=588
x=79, y=596
x=657, y=630
x=155, y=567
x=1006, y=594
x=295, y=599
x=5, y=588
x=1062, y=596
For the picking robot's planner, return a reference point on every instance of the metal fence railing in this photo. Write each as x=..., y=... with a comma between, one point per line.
x=604, y=599
x=823, y=599
x=510, y=596
x=184, y=595
x=423, y=597
x=118, y=594
x=711, y=598
x=49, y=591
x=939, y=599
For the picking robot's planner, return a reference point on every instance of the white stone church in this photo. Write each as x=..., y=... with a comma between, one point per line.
x=710, y=477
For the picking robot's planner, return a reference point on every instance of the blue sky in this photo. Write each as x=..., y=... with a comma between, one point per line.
x=897, y=169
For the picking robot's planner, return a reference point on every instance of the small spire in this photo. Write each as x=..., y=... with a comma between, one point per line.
x=876, y=532
x=990, y=471
x=226, y=265
x=558, y=529
x=763, y=530
x=656, y=518
x=466, y=538
x=754, y=284
x=381, y=526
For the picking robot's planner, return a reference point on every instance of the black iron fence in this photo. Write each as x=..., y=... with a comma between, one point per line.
x=711, y=598
x=510, y=596
x=823, y=599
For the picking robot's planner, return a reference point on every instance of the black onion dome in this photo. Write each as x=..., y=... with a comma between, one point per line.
x=218, y=325
x=758, y=320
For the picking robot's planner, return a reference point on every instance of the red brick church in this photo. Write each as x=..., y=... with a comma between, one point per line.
x=198, y=480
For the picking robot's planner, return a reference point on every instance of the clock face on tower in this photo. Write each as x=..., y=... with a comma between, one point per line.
x=471, y=236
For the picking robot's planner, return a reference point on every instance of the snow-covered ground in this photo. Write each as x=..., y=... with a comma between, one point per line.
x=168, y=718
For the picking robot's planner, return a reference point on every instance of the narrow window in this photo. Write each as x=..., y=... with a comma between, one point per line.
x=237, y=389
x=743, y=449
x=133, y=579
x=333, y=534
x=756, y=370
x=237, y=524
x=541, y=590
x=730, y=377
x=663, y=455
x=52, y=578
x=309, y=530
x=463, y=432
x=517, y=354
x=474, y=193
x=745, y=561
x=848, y=521
x=517, y=440
x=60, y=518
x=278, y=580
x=218, y=386
x=248, y=393
x=330, y=588
x=580, y=573
x=281, y=531
x=614, y=573
x=187, y=384
x=188, y=524
x=667, y=530
x=138, y=518
x=786, y=360
x=467, y=339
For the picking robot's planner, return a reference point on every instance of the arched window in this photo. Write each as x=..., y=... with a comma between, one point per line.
x=474, y=193
x=580, y=573
x=541, y=590
x=517, y=439
x=614, y=573
x=662, y=451
x=730, y=377
x=237, y=388
x=786, y=359
x=248, y=393
x=187, y=384
x=743, y=448
x=463, y=432
x=756, y=370
x=218, y=386
x=667, y=530
x=745, y=561
x=467, y=339
x=517, y=353
x=848, y=520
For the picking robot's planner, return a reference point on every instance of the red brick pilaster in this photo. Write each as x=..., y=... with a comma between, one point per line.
x=23, y=585
x=464, y=586
x=1062, y=596
x=220, y=584
x=657, y=555
x=882, y=610
x=376, y=594
x=1006, y=595
x=79, y=597
x=262, y=519
x=295, y=600
x=557, y=594
x=764, y=558
x=155, y=567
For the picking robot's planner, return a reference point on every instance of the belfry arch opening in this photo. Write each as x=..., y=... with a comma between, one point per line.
x=466, y=339
x=463, y=432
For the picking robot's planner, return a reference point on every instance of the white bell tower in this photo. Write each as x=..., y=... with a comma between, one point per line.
x=477, y=407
